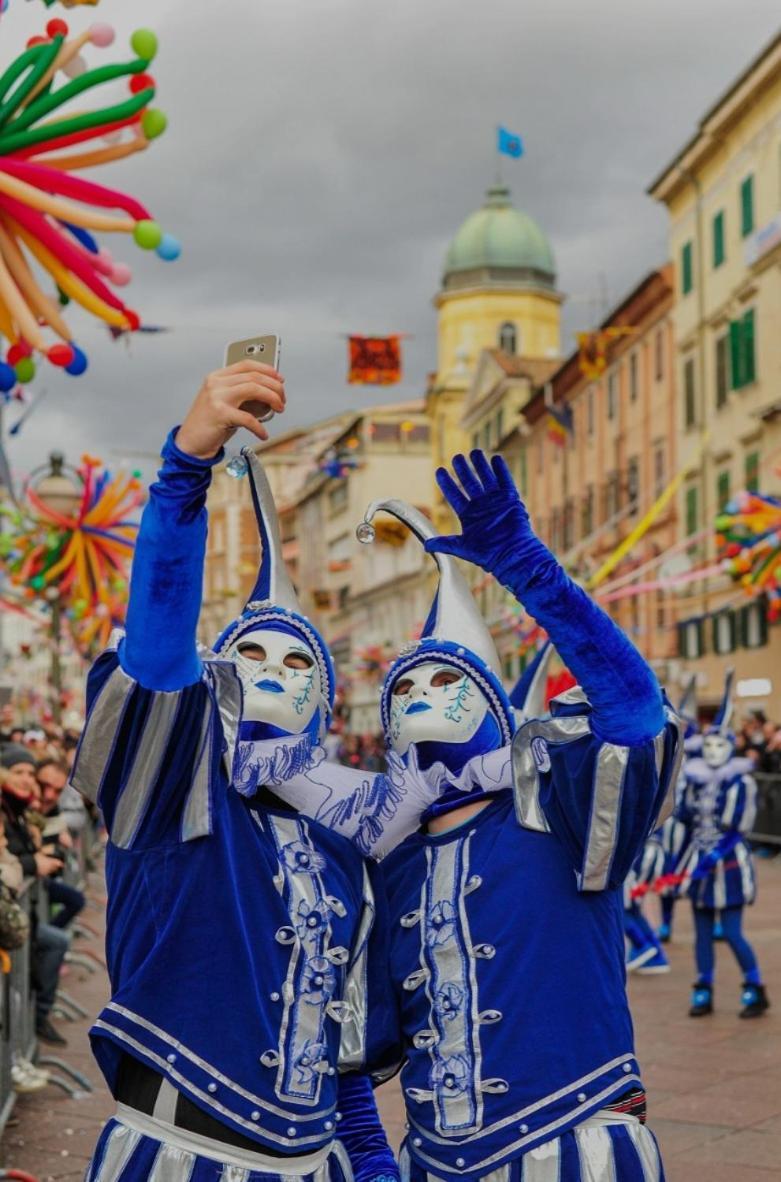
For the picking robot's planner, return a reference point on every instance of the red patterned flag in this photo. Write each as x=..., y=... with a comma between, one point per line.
x=375, y=361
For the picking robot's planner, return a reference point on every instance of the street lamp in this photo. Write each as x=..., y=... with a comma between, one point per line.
x=60, y=491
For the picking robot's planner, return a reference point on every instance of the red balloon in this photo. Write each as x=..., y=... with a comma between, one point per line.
x=57, y=28
x=133, y=319
x=139, y=82
x=37, y=40
x=61, y=354
x=17, y=352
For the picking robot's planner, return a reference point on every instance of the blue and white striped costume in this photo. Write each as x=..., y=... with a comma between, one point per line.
x=717, y=807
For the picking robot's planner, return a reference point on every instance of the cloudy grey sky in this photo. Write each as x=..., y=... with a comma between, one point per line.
x=322, y=153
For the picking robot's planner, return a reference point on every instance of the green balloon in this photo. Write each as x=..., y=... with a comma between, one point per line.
x=147, y=234
x=144, y=44
x=25, y=369
x=63, y=297
x=153, y=122
x=38, y=582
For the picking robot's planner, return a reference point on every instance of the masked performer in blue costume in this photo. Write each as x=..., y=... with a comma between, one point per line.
x=717, y=808
x=507, y=954
x=245, y=944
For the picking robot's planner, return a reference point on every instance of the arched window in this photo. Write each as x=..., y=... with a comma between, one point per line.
x=508, y=337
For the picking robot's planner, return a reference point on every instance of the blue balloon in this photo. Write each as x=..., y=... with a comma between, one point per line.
x=169, y=249
x=79, y=363
x=8, y=377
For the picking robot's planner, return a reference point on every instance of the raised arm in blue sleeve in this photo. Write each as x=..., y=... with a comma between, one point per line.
x=361, y=1131
x=624, y=695
x=159, y=649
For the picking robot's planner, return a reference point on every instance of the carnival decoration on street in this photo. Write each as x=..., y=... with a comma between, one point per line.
x=375, y=361
x=81, y=560
x=749, y=540
x=593, y=349
x=48, y=215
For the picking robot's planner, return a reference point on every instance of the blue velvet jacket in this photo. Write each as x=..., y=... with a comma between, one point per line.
x=507, y=947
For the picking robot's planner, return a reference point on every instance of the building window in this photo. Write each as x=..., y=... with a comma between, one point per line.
x=523, y=473
x=722, y=489
x=555, y=530
x=487, y=437
x=753, y=624
x=633, y=483
x=689, y=403
x=751, y=471
x=659, y=469
x=719, y=253
x=499, y=426
x=661, y=610
x=612, y=393
x=588, y=511
x=692, y=510
x=722, y=369
x=659, y=355
x=747, y=206
x=743, y=363
x=569, y=524
x=590, y=411
x=724, y=632
x=691, y=639
x=508, y=337
x=476, y=440
x=687, y=269
x=337, y=498
x=611, y=496
x=633, y=377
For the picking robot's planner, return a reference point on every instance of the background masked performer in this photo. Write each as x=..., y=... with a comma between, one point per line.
x=507, y=953
x=717, y=807
x=240, y=934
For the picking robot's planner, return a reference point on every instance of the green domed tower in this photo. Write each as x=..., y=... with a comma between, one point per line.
x=498, y=289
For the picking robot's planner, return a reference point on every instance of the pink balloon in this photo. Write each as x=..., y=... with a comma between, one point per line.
x=106, y=256
x=101, y=34
x=121, y=275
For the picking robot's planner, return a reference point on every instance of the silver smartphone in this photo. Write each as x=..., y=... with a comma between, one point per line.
x=261, y=348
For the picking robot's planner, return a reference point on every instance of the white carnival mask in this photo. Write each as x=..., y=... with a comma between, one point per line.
x=280, y=677
x=435, y=702
x=716, y=750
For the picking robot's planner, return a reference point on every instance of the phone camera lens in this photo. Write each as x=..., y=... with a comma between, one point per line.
x=261, y=348
x=250, y=349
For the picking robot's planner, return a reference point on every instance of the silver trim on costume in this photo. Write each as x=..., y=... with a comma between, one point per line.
x=229, y=693
x=197, y=1061
x=525, y=778
x=352, y=1034
x=100, y=734
x=611, y=768
x=140, y=782
x=172, y=1164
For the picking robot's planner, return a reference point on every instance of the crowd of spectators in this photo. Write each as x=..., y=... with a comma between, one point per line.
x=42, y=820
x=759, y=740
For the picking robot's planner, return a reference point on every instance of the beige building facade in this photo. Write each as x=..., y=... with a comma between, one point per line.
x=723, y=195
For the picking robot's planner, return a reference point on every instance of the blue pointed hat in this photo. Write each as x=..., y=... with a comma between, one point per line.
x=454, y=631
x=273, y=602
x=721, y=724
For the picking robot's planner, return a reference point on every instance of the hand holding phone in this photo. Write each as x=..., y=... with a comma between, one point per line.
x=262, y=348
x=219, y=408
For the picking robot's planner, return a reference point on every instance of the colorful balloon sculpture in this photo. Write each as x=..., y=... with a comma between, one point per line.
x=749, y=540
x=48, y=215
x=85, y=557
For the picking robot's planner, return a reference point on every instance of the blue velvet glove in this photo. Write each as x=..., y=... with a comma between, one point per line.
x=496, y=534
x=708, y=863
x=159, y=649
x=361, y=1132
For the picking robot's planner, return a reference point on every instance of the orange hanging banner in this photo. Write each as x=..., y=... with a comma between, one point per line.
x=375, y=361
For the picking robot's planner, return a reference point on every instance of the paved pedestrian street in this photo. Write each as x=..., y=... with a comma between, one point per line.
x=714, y=1085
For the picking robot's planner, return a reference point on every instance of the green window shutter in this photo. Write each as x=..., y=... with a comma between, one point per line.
x=722, y=370
x=747, y=206
x=749, y=357
x=722, y=489
x=752, y=471
x=718, y=239
x=689, y=408
x=691, y=511
x=736, y=354
x=687, y=273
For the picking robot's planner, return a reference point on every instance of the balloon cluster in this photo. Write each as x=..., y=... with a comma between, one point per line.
x=81, y=560
x=49, y=215
x=748, y=537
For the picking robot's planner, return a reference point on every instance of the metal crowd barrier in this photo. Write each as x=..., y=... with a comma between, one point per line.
x=767, y=827
x=17, y=1010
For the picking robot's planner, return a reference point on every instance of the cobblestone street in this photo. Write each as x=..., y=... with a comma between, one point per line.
x=714, y=1085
